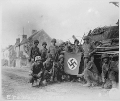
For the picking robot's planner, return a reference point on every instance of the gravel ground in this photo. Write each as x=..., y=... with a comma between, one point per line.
x=15, y=86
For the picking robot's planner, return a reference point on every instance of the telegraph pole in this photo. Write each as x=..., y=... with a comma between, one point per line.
x=23, y=30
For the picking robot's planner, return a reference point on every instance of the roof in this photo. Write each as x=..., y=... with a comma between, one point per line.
x=25, y=41
x=29, y=38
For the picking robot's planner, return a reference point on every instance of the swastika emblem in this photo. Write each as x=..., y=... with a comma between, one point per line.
x=72, y=63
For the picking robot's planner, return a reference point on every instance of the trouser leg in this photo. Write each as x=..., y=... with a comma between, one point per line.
x=85, y=61
x=87, y=77
x=113, y=76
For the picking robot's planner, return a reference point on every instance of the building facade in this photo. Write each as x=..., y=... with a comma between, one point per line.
x=23, y=48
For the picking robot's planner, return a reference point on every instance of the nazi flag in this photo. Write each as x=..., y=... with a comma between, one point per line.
x=72, y=63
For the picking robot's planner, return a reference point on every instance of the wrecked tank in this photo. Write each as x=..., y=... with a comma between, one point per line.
x=106, y=40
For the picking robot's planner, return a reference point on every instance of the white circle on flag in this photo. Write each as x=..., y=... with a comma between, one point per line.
x=72, y=63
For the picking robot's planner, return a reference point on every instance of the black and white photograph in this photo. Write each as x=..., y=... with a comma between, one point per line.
x=60, y=50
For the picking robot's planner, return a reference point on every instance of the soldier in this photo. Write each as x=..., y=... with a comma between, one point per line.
x=109, y=71
x=60, y=70
x=90, y=73
x=34, y=51
x=68, y=47
x=48, y=65
x=77, y=48
x=54, y=51
x=88, y=49
x=114, y=75
x=44, y=52
x=36, y=70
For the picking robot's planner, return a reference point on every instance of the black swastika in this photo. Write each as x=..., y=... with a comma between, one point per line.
x=72, y=63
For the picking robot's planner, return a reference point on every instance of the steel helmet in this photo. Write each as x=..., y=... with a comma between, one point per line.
x=44, y=43
x=76, y=40
x=36, y=41
x=37, y=58
x=53, y=40
x=105, y=55
x=61, y=56
x=86, y=38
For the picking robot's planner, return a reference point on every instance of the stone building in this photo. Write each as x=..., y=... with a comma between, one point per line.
x=23, y=48
x=9, y=56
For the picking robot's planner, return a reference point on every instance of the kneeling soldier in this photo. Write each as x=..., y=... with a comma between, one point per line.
x=48, y=65
x=36, y=70
x=90, y=73
x=109, y=72
x=60, y=69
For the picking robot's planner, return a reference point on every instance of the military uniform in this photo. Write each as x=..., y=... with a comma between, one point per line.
x=53, y=50
x=77, y=49
x=34, y=51
x=44, y=52
x=87, y=49
x=37, y=71
x=105, y=67
x=48, y=65
x=110, y=72
x=91, y=73
x=114, y=72
x=60, y=68
x=68, y=48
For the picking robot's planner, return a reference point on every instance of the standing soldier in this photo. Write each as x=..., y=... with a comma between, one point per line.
x=34, y=51
x=88, y=49
x=44, y=52
x=53, y=50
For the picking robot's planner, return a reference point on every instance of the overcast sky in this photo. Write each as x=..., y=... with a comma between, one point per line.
x=59, y=18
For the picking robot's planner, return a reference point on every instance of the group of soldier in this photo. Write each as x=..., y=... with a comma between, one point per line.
x=47, y=65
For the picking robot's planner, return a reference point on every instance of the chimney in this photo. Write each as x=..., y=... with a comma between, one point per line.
x=24, y=37
x=17, y=40
x=34, y=31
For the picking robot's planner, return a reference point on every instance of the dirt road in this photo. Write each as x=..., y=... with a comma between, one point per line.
x=15, y=86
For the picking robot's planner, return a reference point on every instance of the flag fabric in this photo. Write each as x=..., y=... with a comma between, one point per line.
x=72, y=63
